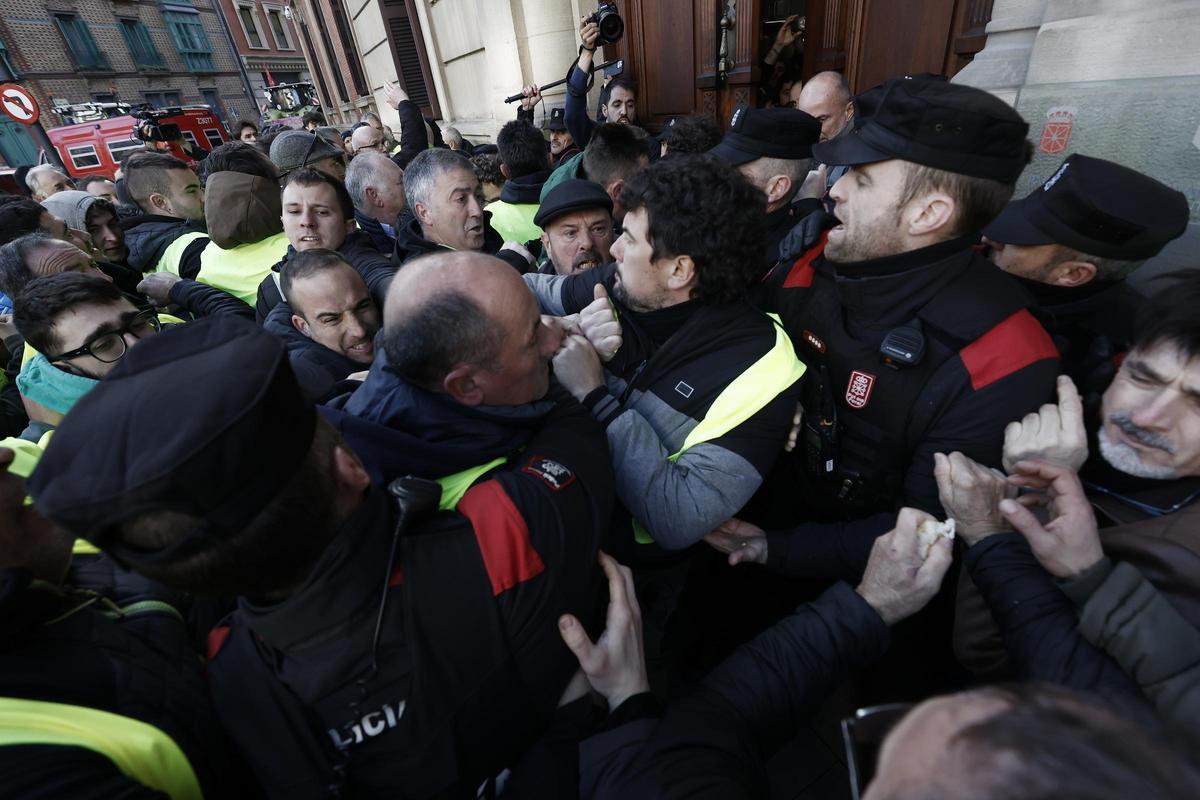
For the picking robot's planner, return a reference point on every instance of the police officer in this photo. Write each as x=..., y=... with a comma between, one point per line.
x=772, y=147
x=360, y=661
x=919, y=345
x=1072, y=243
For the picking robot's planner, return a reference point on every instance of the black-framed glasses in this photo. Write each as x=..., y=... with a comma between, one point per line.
x=111, y=345
x=863, y=736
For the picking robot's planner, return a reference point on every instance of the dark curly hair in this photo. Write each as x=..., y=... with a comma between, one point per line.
x=693, y=133
x=700, y=207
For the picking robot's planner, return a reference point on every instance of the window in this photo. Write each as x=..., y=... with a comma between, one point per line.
x=279, y=30
x=191, y=138
x=249, y=22
x=163, y=99
x=214, y=102
x=104, y=97
x=6, y=59
x=137, y=39
x=214, y=138
x=80, y=42
x=83, y=156
x=190, y=40
x=119, y=148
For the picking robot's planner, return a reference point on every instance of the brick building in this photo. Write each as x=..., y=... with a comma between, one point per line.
x=162, y=52
x=267, y=42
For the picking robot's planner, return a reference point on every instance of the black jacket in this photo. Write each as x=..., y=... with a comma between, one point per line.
x=715, y=741
x=383, y=242
x=318, y=369
x=76, y=647
x=148, y=235
x=470, y=663
x=358, y=249
x=414, y=136
x=986, y=362
x=201, y=300
x=411, y=242
x=525, y=189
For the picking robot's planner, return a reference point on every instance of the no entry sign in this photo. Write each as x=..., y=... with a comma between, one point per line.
x=18, y=104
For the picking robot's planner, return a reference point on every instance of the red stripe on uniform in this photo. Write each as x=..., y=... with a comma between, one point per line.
x=801, y=274
x=216, y=640
x=1012, y=345
x=502, y=534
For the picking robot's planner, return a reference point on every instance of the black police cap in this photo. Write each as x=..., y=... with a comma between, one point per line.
x=1097, y=207
x=943, y=125
x=767, y=133
x=205, y=419
x=558, y=120
x=572, y=195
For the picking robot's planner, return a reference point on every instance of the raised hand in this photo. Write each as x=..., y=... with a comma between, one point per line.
x=971, y=494
x=600, y=325
x=1055, y=433
x=1069, y=543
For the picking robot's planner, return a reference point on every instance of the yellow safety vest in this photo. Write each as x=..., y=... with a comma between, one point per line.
x=139, y=750
x=174, y=252
x=745, y=396
x=456, y=485
x=239, y=270
x=514, y=221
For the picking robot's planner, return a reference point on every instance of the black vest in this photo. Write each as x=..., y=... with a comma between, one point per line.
x=862, y=420
x=445, y=708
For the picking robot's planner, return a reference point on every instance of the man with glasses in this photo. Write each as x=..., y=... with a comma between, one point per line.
x=80, y=326
x=367, y=139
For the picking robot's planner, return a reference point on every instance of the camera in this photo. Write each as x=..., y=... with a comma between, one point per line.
x=797, y=25
x=612, y=27
x=147, y=128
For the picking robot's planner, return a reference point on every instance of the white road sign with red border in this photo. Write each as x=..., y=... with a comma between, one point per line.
x=18, y=104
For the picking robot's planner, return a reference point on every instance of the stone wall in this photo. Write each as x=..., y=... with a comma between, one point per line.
x=1115, y=79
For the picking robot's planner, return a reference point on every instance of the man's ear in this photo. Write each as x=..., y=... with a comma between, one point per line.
x=614, y=189
x=350, y=477
x=301, y=324
x=1072, y=273
x=421, y=211
x=504, y=171
x=849, y=112
x=460, y=383
x=682, y=273
x=158, y=201
x=778, y=188
x=930, y=214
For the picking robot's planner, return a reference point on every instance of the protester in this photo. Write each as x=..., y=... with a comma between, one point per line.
x=614, y=155
x=170, y=234
x=318, y=214
x=311, y=120
x=367, y=139
x=577, y=227
x=445, y=211
x=491, y=178
x=691, y=133
x=827, y=98
x=376, y=188
x=99, y=186
x=292, y=150
x=97, y=216
x=245, y=131
x=45, y=180
x=525, y=166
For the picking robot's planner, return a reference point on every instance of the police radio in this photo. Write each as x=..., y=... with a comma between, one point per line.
x=820, y=424
x=903, y=346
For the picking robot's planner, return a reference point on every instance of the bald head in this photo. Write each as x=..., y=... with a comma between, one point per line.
x=366, y=139
x=827, y=97
x=45, y=181
x=465, y=324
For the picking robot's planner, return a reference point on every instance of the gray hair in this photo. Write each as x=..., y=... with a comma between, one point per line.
x=32, y=176
x=14, y=261
x=362, y=174
x=452, y=136
x=423, y=171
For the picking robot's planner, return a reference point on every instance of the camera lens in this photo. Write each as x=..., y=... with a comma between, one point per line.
x=612, y=28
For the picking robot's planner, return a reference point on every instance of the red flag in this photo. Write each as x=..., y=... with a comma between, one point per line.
x=270, y=80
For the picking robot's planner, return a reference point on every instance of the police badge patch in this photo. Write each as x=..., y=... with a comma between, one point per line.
x=552, y=473
x=858, y=391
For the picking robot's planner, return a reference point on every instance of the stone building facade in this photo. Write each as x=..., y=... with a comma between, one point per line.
x=133, y=51
x=1115, y=79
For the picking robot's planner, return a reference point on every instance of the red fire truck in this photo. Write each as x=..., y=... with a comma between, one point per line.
x=104, y=133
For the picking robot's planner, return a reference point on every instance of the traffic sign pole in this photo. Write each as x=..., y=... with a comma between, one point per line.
x=36, y=130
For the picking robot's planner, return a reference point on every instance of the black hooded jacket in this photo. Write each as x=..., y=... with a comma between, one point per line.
x=411, y=242
x=318, y=369
x=149, y=235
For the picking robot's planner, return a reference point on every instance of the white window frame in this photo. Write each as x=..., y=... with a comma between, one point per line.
x=213, y=135
x=258, y=28
x=191, y=137
x=84, y=151
x=283, y=21
x=122, y=151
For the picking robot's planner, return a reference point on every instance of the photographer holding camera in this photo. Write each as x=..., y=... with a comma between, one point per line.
x=618, y=99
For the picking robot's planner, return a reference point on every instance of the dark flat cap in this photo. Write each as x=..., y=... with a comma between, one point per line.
x=572, y=195
x=927, y=121
x=205, y=419
x=294, y=149
x=1097, y=207
x=558, y=120
x=767, y=133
